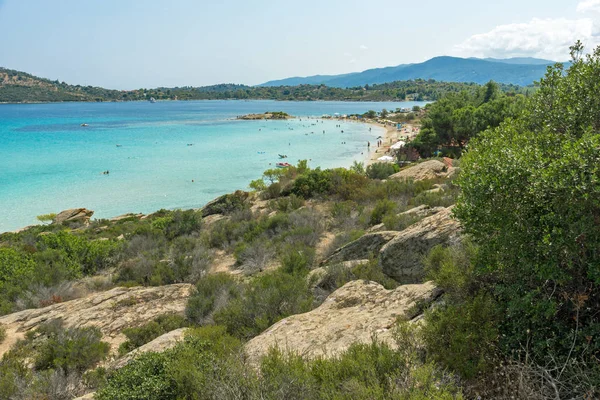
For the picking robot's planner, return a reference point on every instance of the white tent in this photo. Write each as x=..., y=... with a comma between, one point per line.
x=386, y=159
x=397, y=145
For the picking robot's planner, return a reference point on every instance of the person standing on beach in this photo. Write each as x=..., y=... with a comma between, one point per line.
x=368, y=145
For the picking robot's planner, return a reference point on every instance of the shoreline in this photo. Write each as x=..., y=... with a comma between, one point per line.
x=390, y=135
x=171, y=100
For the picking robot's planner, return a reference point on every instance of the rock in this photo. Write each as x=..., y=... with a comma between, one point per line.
x=401, y=258
x=161, y=343
x=356, y=312
x=423, y=211
x=74, y=216
x=361, y=248
x=453, y=172
x=126, y=216
x=88, y=396
x=110, y=311
x=226, y=203
x=426, y=170
x=420, y=211
x=317, y=276
x=212, y=219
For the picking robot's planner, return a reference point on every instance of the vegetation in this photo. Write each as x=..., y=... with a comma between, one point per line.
x=141, y=335
x=20, y=87
x=519, y=316
x=526, y=291
x=208, y=365
x=456, y=118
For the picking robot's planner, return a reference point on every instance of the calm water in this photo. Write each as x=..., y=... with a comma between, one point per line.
x=48, y=162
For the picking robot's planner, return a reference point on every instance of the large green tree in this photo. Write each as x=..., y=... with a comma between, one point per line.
x=531, y=200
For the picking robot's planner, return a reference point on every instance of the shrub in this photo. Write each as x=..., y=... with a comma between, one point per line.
x=141, y=335
x=297, y=259
x=463, y=336
x=382, y=208
x=287, y=204
x=399, y=222
x=16, y=273
x=183, y=372
x=265, y=300
x=381, y=170
x=212, y=293
x=2, y=333
x=71, y=349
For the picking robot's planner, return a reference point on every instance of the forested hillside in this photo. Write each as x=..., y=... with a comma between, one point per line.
x=20, y=87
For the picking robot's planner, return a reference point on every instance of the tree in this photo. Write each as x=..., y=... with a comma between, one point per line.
x=530, y=199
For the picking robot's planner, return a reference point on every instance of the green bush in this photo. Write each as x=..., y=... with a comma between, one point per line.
x=529, y=200
x=212, y=292
x=265, y=300
x=297, y=259
x=463, y=336
x=382, y=208
x=399, y=222
x=186, y=371
x=71, y=349
x=141, y=335
x=2, y=333
x=16, y=273
x=381, y=170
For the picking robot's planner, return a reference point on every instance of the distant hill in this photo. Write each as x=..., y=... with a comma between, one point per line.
x=21, y=87
x=516, y=71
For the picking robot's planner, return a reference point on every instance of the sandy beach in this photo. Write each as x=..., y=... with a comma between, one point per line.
x=391, y=136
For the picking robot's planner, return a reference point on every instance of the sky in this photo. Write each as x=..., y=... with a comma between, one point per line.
x=129, y=44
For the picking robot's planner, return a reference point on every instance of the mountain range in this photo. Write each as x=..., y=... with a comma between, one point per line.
x=521, y=71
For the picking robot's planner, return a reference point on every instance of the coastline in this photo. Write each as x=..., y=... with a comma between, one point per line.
x=391, y=136
x=388, y=132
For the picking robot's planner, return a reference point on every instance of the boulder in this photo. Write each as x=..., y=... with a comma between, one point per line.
x=401, y=258
x=126, y=216
x=110, y=311
x=419, y=211
x=362, y=248
x=225, y=204
x=423, y=211
x=426, y=170
x=317, y=276
x=355, y=313
x=161, y=343
x=74, y=216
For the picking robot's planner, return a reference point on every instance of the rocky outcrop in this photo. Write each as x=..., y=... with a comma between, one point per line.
x=356, y=312
x=161, y=343
x=317, y=277
x=267, y=115
x=364, y=247
x=426, y=170
x=225, y=204
x=126, y=217
x=110, y=311
x=74, y=217
x=401, y=258
x=421, y=211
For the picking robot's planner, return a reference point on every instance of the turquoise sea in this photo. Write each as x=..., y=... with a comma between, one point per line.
x=49, y=162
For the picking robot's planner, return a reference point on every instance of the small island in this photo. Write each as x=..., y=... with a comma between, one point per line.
x=266, y=115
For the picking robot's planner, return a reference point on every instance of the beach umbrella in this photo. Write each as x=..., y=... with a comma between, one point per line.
x=397, y=145
x=386, y=158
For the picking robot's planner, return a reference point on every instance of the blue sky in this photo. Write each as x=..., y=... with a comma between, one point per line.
x=127, y=44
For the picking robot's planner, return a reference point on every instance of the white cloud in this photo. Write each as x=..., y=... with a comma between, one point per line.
x=588, y=6
x=353, y=61
x=544, y=38
x=363, y=47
